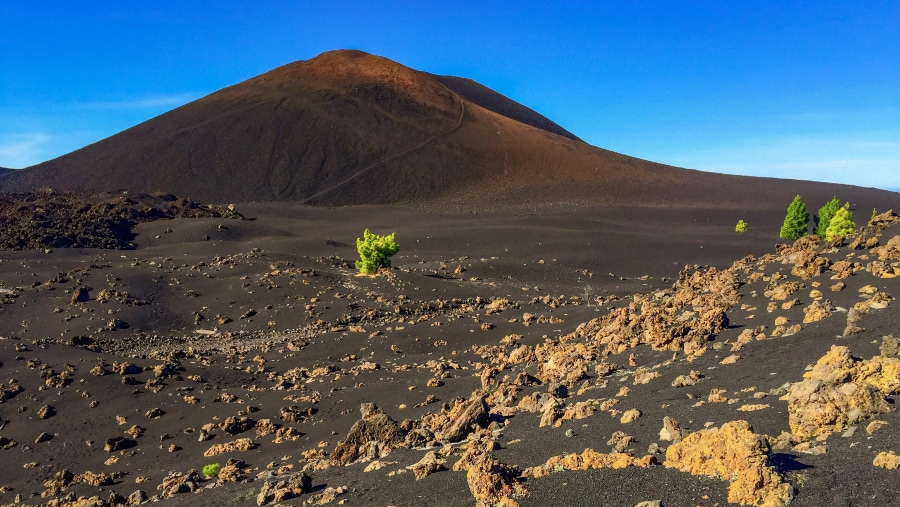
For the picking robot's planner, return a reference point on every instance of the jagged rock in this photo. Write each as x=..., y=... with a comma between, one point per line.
x=783, y=291
x=233, y=471
x=9, y=390
x=265, y=427
x=492, y=482
x=876, y=301
x=538, y=402
x=295, y=414
x=817, y=311
x=327, y=495
x=620, y=441
x=874, y=426
x=687, y=380
x=94, y=479
x=890, y=346
x=275, y=491
x=670, y=431
x=732, y=452
x=80, y=295
x=241, y=444
x=842, y=269
x=644, y=376
x=118, y=443
x=522, y=354
x=126, y=368
x=853, y=318
x=809, y=264
x=887, y=460
x=888, y=252
x=589, y=459
x=60, y=481
x=883, y=269
x=114, y=324
x=550, y=416
x=234, y=425
x=840, y=391
x=373, y=436
x=418, y=437
x=630, y=415
x=562, y=363
x=135, y=431
x=57, y=381
x=136, y=498
x=46, y=412
x=426, y=466
x=464, y=417
x=177, y=482
x=7, y=443
x=698, y=303
x=285, y=434
x=578, y=410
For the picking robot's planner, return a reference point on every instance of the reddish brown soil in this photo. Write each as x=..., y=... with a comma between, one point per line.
x=351, y=128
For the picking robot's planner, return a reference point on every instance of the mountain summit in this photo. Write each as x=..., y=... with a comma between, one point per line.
x=347, y=127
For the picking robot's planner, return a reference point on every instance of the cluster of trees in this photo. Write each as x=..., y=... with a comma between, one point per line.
x=832, y=220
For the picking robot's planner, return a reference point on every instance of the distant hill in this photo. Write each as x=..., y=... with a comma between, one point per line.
x=348, y=127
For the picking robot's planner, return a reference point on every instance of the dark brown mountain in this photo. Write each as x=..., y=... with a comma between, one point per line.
x=347, y=127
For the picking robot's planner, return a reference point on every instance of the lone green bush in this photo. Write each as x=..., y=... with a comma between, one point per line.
x=796, y=220
x=823, y=217
x=841, y=223
x=211, y=470
x=741, y=226
x=375, y=252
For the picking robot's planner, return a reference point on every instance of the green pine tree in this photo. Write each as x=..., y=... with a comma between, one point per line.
x=796, y=220
x=741, y=226
x=823, y=218
x=375, y=252
x=841, y=223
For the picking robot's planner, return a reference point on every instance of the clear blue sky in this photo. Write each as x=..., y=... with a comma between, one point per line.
x=807, y=90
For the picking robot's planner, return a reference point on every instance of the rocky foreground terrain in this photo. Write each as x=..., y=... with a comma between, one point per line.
x=49, y=219
x=453, y=380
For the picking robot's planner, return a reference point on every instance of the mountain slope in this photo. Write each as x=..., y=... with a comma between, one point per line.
x=347, y=127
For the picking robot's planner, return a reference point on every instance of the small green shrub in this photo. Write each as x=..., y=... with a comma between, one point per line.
x=796, y=220
x=741, y=227
x=874, y=214
x=841, y=223
x=211, y=470
x=823, y=217
x=375, y=252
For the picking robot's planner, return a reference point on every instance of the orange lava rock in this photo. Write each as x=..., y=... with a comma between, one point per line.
x=241, y=444
x=587, y=460
x=426, y=466
x=373, y=436
x=736, y=454
x=840, y=391
x=887, y=460
x=817, y=311
x=492, y=482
